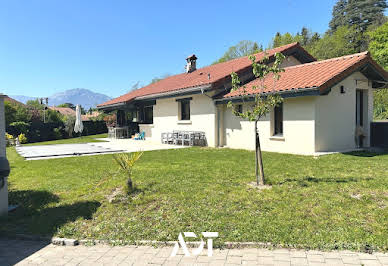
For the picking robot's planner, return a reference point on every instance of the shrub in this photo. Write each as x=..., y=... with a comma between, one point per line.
x=9, y=140
x=110, y=120
x=22, y=138
x=69, y=122
x=58, y=133
x=20, y=127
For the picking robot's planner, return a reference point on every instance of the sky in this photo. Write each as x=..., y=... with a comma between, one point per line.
x=48, y=46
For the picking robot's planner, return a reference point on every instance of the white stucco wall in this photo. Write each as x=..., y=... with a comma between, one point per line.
x=336, y=115
x=4, y=190
x=203, y=117
x=298, y=129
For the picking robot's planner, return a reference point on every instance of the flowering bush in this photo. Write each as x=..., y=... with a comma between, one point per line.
x=22, y=138
x=110, y=120
x=9, y=140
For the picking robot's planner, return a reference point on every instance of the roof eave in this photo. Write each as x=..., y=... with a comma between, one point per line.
x=169, y=94
x=313, y=91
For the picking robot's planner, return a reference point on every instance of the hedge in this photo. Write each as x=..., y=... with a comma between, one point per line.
x=39, y=131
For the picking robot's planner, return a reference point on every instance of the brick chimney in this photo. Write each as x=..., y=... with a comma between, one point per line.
x=191, y=63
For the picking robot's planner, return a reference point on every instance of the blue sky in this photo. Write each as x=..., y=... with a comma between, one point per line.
x=47, y=46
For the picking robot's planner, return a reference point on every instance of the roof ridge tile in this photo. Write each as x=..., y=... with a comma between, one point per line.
x=329, y=60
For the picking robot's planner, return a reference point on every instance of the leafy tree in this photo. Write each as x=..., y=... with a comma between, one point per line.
x=262, y=105
x=359, y=13
x=67, y=105
x=363, y=13
x=243, y=48
x=10, y=113
x=378, y=45
x=380, y=99
x=16, y=113
x=69, y=121
x=338, y=15
x=53, y=116
x=35, y=104
x=343, y=41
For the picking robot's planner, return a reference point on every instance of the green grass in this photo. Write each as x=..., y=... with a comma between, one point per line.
x=83, y=139
x=331, y=202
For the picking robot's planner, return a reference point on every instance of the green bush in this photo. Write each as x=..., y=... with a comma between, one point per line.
x=58, y=133
x=20, y=127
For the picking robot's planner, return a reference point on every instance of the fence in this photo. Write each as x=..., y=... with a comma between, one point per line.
x=379, y=134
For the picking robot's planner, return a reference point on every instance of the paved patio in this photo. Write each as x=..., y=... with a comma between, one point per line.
x=21, y=252
x=40, y=152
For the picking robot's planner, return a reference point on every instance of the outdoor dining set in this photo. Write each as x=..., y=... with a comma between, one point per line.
x=190, y=138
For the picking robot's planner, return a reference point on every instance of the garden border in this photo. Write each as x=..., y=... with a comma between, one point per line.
x=154, y=243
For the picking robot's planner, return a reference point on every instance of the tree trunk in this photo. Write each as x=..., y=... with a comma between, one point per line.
x=259, y=170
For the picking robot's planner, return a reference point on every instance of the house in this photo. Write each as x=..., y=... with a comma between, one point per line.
x=63, y=110
x=90, y=116
x=328, y=105
x=3, y=162
x=13, y=101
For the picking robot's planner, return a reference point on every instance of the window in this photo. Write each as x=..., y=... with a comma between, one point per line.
x=148, y=114
x=185, y=110
x=239, y=108
x=278, y=120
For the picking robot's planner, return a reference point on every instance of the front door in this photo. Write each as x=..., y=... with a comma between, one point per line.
x=359, y=117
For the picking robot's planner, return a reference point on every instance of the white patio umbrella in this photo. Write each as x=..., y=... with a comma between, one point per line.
x=78, y=127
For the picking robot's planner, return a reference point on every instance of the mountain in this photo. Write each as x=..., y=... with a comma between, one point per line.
x=86, y=98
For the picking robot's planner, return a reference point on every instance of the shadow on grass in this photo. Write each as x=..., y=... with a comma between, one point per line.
x=373, y=152
x=34, y=217
x=308, y=180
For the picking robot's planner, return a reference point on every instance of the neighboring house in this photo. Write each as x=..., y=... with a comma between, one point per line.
x=63, y=110
x=9, y=99
x=3, y=186
x=90, y=116
x=327, y=104
x=71, y=112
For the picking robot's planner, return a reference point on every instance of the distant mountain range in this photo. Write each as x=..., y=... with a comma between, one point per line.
x=86, y=98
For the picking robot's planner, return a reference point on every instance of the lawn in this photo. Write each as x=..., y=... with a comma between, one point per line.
x=331, y=202
x=83, y=139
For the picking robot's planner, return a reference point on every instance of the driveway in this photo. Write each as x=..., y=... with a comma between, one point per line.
x=40, y=152
x=21, y=252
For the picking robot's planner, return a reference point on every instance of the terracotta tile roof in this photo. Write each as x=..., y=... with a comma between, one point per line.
x=320, y=75
x=88, y=116
x=9, y=99
x=199, y=77
x=63, y=110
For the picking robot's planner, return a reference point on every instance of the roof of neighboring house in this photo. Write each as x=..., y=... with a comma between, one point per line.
x=9, y=99
x=63, y=110
x=316, y=75
x=87, y=116
x=207, y=75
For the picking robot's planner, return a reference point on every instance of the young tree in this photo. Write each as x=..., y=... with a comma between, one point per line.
x=262, y=104
x=126, y=162
x=243, y=48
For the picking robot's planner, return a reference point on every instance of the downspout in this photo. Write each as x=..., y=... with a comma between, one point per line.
x=217, y=131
